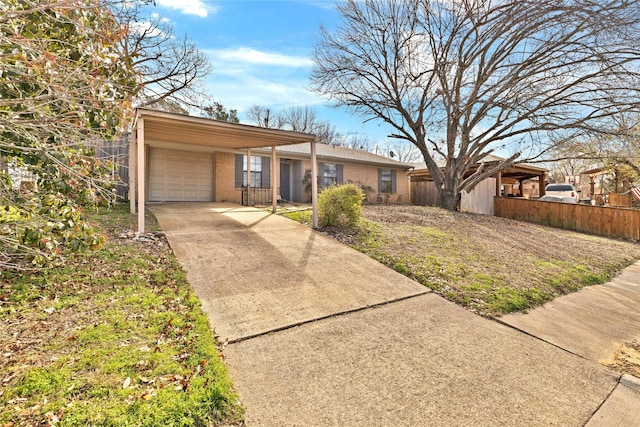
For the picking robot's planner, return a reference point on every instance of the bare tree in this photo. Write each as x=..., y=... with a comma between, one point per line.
x=461, y=79
x=263, y=117
x=296, y=118
x=171, y=69
x=619, y=151
x=355, y=141
x=405, y=153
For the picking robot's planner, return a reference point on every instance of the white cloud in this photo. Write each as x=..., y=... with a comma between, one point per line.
x=145, y=28
x=252, y=56
x=244, y=76
x=188, y=7
x=157, y=17
x=328, y=5
x=245, y=90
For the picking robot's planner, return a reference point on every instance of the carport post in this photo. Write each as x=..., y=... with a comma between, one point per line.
x=248, y=176
x=133, y=140
x=274, y=188
x=140, y=166
x=314, y=185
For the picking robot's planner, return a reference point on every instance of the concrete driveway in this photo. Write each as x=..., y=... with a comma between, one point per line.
x=322, y=335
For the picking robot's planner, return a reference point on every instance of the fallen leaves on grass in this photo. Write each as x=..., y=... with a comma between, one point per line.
x=115, y=336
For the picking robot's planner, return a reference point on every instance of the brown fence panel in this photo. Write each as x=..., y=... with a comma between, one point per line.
x=620, y=200
x=598, y=220
x=424, y=193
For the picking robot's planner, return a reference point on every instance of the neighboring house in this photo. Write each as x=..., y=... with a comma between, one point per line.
x=185, y=158
x=520, y=180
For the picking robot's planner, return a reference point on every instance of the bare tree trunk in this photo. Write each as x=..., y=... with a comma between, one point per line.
x=450, y=200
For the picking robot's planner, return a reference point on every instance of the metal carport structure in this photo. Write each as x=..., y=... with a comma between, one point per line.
x=184, y=130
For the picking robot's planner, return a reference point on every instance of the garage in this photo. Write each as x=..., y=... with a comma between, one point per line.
x=180, y=176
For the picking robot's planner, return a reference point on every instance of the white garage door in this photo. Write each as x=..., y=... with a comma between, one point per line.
x=180, y=176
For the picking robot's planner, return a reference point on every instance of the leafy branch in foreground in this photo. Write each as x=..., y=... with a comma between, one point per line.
x=63, y=87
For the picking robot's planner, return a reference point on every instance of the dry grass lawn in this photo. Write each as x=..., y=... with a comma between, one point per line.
x=488, y=264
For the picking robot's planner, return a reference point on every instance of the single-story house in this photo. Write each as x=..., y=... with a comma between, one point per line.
x=175, y=157
x=384, y=180
x=519, y=180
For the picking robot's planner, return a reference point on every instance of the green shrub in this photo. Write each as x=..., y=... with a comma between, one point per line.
x=340, y=205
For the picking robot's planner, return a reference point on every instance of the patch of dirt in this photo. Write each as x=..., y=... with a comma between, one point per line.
x=627, y=358
x=464, y=247
x=506, y=239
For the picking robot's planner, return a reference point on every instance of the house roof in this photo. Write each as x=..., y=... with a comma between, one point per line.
x=326, y=152
x=185, y=129
x=177, y=129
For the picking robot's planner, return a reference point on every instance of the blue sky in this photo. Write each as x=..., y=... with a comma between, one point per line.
x=260, y=53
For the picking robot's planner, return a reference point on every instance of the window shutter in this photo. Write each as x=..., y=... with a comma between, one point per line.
x=266, y=172
x=393, y=181
x=239, y=178
x=380, y=188
x=320, y=176
x=339, y=174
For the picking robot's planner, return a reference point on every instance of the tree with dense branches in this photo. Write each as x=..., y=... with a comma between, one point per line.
x=296, y=119
x=461, y=79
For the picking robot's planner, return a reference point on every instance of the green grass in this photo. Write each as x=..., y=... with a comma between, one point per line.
x=112, y=338
x=303, y=217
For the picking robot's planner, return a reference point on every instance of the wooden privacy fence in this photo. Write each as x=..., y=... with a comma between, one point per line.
x=424, y=193
x=598, y=220
x=620, y=200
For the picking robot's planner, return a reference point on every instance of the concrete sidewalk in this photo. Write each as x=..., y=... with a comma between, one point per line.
x=324, y=335
x=593, y=323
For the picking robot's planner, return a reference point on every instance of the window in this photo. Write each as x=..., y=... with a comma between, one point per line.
x=386, y=181
x=256, y=171
x=260, y=171
x=329, y=174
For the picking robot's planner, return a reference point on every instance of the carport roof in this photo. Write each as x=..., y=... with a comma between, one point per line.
x=518, y=171
x=180, y=128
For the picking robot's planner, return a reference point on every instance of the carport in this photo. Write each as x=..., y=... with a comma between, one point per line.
x=170, y=131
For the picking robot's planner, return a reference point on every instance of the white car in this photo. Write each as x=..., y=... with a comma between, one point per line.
x=563, y=190
x=560, y=199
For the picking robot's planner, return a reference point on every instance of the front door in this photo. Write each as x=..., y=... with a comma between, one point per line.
x=285, y=181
